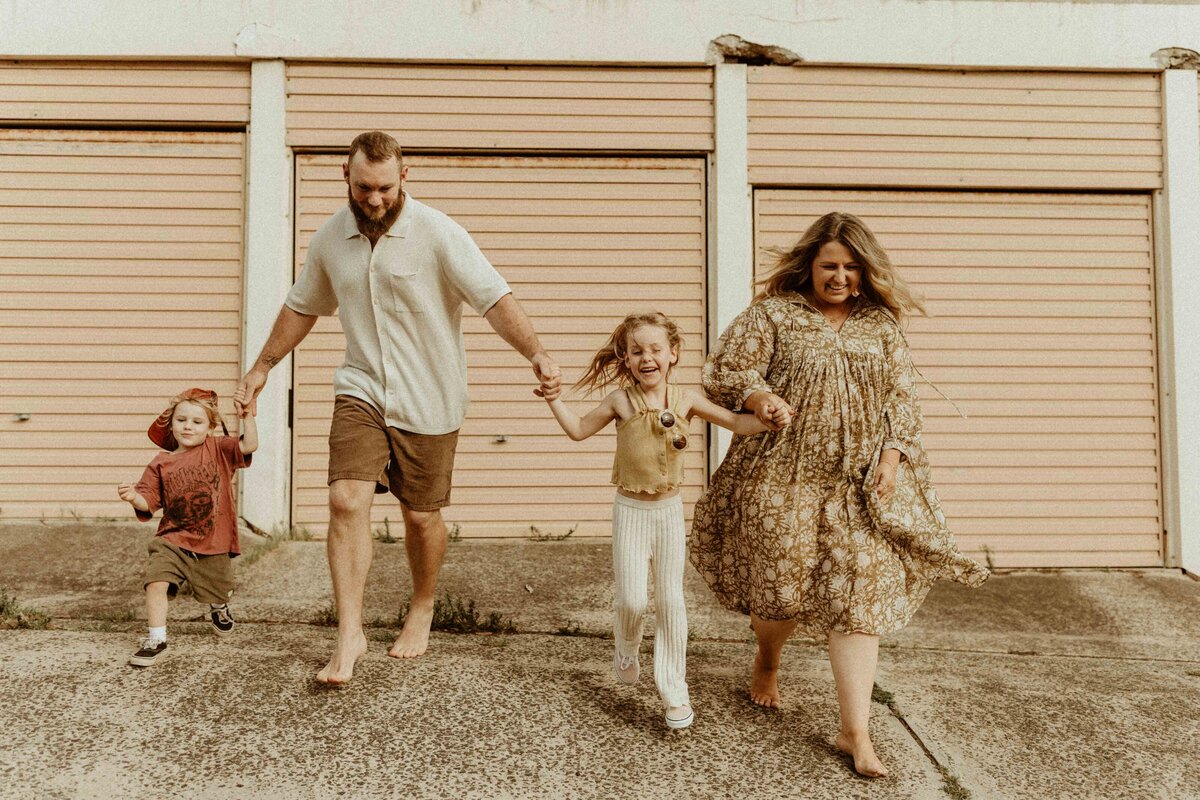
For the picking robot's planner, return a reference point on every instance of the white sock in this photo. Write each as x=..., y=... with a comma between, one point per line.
x=159, y=634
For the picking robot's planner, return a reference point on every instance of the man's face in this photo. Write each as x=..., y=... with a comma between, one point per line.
x=374, y=193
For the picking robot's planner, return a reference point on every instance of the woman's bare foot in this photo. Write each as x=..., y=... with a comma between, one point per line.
x=764, y=682
x=859, y=748
x=346, y=653
x=413, y=640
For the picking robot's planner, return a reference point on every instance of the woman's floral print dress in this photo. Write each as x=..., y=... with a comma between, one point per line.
x=788, y=529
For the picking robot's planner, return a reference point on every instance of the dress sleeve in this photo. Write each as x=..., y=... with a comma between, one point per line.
x=738, y=365
x=902, y=420
x=150, y=488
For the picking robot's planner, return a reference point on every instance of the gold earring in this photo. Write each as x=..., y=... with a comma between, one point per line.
x=854, y=293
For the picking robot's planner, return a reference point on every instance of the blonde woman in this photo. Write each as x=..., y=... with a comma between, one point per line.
x=830, y=525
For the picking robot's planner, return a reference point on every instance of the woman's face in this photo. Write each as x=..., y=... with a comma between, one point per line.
x=836, y=274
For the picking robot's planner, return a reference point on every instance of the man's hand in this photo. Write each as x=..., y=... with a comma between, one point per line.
x=246, y=397
x=770, y=409
x=548, y=375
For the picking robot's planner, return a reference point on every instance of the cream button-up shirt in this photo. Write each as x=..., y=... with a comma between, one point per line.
x=400, y=305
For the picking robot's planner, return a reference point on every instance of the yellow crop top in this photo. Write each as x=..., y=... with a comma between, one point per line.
x=648, y=459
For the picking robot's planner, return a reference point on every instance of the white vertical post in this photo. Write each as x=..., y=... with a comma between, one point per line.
x=266, y=487
x=731, y=249
x=1179, y=327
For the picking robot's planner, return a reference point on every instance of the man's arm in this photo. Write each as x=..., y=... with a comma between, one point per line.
x=508, y=319
x=289, y=330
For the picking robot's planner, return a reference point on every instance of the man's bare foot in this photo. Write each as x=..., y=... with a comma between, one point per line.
x=863, y=752
x=764, y=683
x=346, y=653
x=413, y=640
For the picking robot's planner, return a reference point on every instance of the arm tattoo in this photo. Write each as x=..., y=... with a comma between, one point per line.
x=271, y=360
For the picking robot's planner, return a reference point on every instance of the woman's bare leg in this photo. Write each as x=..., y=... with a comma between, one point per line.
x=854, y=657
x=771, y=635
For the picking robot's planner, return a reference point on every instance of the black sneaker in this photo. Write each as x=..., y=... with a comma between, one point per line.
x=222, y=620
x=150, y=650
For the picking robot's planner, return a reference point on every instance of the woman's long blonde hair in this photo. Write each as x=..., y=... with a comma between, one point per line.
x=608, y=364
x=881, y=284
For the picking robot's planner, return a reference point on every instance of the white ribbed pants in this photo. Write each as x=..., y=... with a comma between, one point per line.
x=650, y=534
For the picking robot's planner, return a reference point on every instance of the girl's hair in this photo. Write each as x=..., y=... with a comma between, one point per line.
x=210, y=408
x=608, y=365
x=881, y=284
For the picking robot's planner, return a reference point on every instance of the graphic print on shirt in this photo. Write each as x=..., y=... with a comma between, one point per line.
x=192, y=493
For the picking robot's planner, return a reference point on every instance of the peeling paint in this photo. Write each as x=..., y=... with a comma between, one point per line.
x=732, y=48
x=1177, y=58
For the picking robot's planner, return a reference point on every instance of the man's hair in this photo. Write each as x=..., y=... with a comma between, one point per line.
x=377, y=146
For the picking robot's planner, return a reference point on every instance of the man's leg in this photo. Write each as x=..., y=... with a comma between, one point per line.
x=349, y=548
x=425, y=542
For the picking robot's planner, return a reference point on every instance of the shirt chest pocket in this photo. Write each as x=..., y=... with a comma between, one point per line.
x=408, y=288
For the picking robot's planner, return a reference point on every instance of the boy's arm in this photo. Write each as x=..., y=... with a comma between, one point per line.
x=741, y=424
x=578, y=428
x=127, y=493
x=248, y=441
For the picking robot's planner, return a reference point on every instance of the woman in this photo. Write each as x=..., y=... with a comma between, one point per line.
x=829, y=525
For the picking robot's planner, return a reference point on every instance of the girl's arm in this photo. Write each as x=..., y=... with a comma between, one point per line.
x=248, y=442
x=591, y=423
x=741, y=424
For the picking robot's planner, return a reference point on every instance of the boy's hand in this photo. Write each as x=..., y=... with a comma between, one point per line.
x=130, y=495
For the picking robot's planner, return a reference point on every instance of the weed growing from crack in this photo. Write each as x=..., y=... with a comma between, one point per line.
x=883, y=697
x=452, y=615
x=572, y=628
x=987, y=557
x=454, y=535
x=384, y=534
x=951, y=785
x=536, y=535
x=14, y=615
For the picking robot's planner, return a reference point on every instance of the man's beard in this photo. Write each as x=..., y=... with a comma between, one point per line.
x=374, y=227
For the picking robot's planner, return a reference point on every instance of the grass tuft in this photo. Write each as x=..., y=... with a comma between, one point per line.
x=452, y=615
x=951, y=785
x=13, y=615
x=882, y=696
x=326, y=616
x=384, y=534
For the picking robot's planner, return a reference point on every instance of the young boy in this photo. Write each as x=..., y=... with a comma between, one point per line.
x=192, y=482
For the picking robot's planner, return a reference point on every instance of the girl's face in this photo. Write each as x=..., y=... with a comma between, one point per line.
x=649, y=355
x=836, y=274
x=190, y=425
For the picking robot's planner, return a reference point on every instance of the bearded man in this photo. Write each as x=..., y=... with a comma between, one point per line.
x=397, y=273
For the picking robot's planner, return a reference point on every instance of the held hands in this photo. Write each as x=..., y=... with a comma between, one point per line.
x=770, y=409
x=245, y=399
x=244, y=402
x=548, y=374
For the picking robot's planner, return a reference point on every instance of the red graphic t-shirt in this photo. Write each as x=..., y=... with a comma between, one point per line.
x=194, y=488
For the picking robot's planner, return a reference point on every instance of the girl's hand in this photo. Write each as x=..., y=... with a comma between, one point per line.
x=767, y=407
x=781, y=416
x=885, y=480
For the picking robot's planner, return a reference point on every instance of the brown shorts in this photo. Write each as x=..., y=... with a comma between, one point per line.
x=416, y=467
x=210, y=577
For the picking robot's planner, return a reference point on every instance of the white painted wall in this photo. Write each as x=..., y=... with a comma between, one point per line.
x=941, y=32
x=731, y=246
x=1179, y=289
x=265, y=488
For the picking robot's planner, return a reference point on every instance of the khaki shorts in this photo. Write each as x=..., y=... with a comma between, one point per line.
x=416, y=467
x=210, y=576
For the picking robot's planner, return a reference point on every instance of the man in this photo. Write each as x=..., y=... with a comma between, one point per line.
x=397, y=272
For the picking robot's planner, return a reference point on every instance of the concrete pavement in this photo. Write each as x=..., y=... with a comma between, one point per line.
x=1038, y=685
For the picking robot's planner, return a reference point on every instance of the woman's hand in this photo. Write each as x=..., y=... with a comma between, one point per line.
x=885, y=478
x=770, y=409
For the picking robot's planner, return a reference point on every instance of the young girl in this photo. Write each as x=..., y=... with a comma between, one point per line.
x=193, y=484
x=652, y=417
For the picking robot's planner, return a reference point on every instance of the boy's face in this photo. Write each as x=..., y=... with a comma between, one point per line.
x=190, y=425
